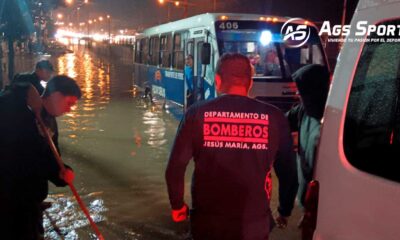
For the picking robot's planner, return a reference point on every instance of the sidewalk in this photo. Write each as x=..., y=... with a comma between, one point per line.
x=23, y=62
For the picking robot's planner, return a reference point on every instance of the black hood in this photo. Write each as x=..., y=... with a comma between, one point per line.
x=313, y=84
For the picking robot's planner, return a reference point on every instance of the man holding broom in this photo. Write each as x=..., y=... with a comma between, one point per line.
x=26, y=160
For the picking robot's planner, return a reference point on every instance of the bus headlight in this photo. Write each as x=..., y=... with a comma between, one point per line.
x=265, y=38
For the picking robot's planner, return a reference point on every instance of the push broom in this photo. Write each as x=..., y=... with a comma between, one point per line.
x=35, y=103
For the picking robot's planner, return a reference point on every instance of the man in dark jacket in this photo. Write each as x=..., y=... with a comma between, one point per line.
x=26, y=161
x=235, y=141
x=313, y=84
x=43, y=72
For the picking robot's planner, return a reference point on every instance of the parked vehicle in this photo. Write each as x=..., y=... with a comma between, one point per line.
x=56, y=48
x=356, y=191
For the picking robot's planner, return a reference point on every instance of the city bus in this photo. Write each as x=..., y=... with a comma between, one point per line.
x=160, y=52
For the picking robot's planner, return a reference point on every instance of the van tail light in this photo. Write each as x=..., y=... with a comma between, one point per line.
x=310, y=212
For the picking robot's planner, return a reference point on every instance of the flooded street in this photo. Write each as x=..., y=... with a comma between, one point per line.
x=118, y=145
x=137, y=66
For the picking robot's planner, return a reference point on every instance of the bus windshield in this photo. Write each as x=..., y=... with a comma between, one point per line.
x=262, y=44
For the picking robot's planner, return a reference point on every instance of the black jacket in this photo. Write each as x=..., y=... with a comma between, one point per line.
x=31, y=78
x=305, y=118
x=234, y=141
x=26, y=161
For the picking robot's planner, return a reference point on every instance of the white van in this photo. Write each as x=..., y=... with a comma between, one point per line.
x=356, y=192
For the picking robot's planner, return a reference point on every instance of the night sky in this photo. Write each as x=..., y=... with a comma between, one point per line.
x=137, y=14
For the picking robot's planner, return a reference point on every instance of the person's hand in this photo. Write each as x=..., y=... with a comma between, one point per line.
x=180, y=215
x=281, y=221
x=68, y=176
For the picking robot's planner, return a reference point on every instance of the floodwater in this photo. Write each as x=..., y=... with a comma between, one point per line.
x=118, y=144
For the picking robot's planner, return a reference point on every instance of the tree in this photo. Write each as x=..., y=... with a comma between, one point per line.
x=17, y=22
x=19, y=19
x=2, y=4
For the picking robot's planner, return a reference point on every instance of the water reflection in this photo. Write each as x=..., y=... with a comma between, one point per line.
x=117, y=142
x=95, y=86
x=64, y=216
x=155, y=128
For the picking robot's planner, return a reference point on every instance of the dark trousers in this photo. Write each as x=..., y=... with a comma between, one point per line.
x=190, y=98
x=21, y=222
x=229, y=228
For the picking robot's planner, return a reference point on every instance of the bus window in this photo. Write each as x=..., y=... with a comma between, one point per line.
x=262, y=43
x=295, y=58
x=190, y=48
x=154, y=50
x=144, y=51
x=372, y=124
x=178, y=57
x=137, y=52
x=165, y=51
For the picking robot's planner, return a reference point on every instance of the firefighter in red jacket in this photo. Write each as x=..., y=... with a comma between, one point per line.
x=234, y=141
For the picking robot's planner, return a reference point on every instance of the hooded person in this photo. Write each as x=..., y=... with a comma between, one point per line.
x=305, y=118
x=27, y=162
x=43, y=72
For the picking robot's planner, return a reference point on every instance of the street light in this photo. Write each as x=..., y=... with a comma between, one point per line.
x=88, y=26
x=69, y=2
x=59, y=16
x=185, y=4
x=77, y=14
x=109, y=28
x=100, y=19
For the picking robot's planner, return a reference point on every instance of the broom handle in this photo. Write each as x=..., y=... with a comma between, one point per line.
x=62, y=169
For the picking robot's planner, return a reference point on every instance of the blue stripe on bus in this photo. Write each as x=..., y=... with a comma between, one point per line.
x=171, y=81
x=172, y=86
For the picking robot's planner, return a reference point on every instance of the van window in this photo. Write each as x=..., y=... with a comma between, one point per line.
x=372, y=124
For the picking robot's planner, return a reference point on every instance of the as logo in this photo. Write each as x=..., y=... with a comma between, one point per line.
x=294, y=34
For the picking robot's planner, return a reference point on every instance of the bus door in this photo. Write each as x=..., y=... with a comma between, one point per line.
x=189, y=73
x=198, y=71
x=194, y=80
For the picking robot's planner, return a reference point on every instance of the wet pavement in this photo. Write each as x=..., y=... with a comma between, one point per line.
x=118, y=145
